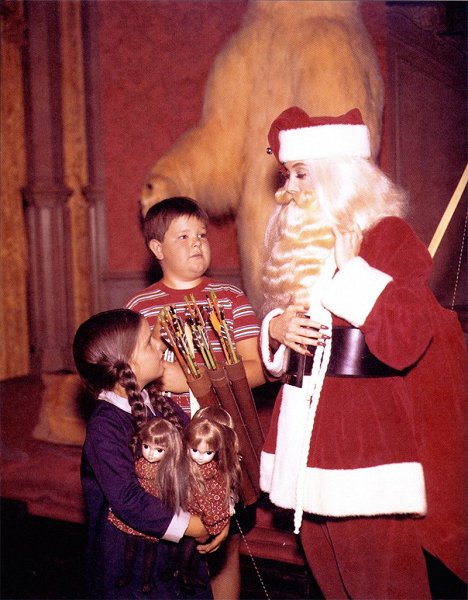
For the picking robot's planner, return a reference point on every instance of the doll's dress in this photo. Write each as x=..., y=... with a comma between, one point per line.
x=146, y=473
x=211, y=505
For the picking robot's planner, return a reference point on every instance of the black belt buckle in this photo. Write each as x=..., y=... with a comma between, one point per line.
x=298, y=366
x=350, y=357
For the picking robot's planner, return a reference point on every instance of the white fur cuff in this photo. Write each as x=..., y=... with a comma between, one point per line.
x=273, y=362
x=354, y=290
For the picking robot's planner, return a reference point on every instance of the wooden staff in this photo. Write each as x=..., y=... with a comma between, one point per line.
x=448, y=214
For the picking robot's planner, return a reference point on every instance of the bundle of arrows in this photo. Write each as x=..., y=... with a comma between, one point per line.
x=188, y=334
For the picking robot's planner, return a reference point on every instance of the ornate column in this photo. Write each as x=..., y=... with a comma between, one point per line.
x=94, y=191
x=46, y=195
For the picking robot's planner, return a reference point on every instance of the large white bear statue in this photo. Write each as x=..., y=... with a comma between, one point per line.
x=316, y=55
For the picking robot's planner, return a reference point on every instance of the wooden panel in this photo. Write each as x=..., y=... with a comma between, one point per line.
x=427, y=114
x=14, y=336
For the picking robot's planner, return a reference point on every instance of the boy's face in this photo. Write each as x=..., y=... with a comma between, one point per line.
x=184, y=253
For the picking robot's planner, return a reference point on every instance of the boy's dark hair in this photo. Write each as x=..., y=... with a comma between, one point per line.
x=160, y=216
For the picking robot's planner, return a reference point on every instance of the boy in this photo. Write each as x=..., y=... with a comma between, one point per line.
x=175, y=232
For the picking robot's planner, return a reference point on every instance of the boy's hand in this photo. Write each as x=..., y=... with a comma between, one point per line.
x=173, y=379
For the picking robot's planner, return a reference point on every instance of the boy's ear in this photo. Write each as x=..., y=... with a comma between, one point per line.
x=156, y=249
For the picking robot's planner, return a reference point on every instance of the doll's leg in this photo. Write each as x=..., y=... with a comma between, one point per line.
x=129, y=561
x=170, y=567
x=149, y=559
x=188, y=565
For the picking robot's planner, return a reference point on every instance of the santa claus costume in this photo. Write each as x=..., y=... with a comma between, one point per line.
x=367, y=441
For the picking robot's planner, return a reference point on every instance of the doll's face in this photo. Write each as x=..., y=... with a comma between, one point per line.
x=202, y=454
x=152, y=452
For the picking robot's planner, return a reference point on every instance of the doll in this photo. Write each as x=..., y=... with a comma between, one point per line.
x=158, y=450
x=213, y=462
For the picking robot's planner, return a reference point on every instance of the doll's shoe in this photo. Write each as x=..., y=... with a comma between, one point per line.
x=167, y=574
x=186, y=584
x=122, y=581
x=147, y=588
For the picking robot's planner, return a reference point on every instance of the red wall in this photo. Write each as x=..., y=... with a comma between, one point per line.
x=155, y=59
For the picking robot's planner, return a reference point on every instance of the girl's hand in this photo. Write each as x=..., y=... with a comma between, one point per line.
x=215, y=542
x=347, y=245
x=295, y=330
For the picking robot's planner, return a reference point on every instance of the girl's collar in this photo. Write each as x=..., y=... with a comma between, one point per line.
x=121, y=402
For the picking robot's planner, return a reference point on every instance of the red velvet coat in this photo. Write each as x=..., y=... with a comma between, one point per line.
x=385, y=446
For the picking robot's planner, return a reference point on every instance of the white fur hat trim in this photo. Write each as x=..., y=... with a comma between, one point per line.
x=324, y=141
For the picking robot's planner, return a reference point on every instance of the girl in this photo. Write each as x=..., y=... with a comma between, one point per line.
x=158, y=456
x=117, y=356
x=212, y=452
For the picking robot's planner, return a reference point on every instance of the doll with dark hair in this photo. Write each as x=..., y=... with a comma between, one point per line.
x=119, y=358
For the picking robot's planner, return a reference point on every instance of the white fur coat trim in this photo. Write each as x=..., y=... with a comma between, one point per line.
x=392, y=488
x=354, y=290
x=275, y=363
x=396, y=488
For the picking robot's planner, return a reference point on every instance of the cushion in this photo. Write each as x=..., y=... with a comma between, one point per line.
x=61, y=419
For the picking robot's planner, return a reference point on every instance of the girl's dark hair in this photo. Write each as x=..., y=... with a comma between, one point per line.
x=171, y=472
x=103, y=348
x=160, y=216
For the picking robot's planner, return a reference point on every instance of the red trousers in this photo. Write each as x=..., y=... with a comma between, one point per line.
x=366, y=558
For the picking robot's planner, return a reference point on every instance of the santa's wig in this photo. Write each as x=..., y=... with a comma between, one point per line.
x=348, y=191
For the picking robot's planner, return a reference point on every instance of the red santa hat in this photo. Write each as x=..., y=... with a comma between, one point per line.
x=294, y=135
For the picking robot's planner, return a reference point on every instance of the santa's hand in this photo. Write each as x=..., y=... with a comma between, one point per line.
x=347, y=245
x=296, y=330
x=215, y=543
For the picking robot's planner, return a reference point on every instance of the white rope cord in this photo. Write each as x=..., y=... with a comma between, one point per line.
x=252, y=559
x=460, y=261
x=319, y=369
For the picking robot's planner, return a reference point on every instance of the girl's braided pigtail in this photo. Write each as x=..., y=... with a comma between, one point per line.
x=127, y=379
x=161, y=405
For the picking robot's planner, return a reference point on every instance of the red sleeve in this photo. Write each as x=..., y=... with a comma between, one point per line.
x=398, y=329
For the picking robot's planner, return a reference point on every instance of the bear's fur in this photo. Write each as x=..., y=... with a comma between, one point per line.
x=316, y=55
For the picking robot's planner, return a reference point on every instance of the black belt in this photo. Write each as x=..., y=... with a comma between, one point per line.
x=350, y=357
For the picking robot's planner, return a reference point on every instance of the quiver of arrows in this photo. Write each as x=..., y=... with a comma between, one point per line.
x=222, y=385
